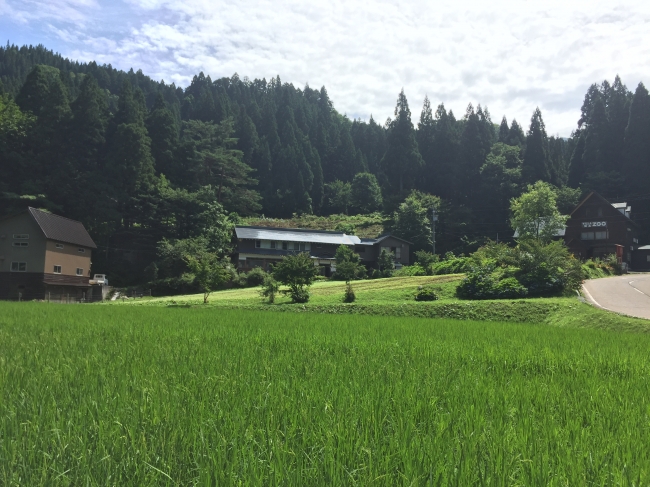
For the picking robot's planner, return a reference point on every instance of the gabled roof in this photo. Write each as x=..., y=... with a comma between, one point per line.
x=593, y=194
x=296, y=235
x=388, y=235
x=61, y=229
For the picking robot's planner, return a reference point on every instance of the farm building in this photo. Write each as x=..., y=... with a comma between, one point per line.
x=261, y=246
x=42, y=254
x=597, y=228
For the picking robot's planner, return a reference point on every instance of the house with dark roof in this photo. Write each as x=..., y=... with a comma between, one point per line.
x=263, y=246
x=42, y=254
x=597, y=228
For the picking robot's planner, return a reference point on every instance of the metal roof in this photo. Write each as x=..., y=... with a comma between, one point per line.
x=619, y=205
x=644, y=247
x=62, y=229
x=296, y=235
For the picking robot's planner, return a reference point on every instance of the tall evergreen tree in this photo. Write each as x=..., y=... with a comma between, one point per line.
x=536, y=164
x=402, y=159
x=577, y=165
x=504, y=131
x=637, y=143
x=164, y=133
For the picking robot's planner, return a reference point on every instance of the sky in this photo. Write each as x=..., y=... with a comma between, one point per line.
x=511, y=56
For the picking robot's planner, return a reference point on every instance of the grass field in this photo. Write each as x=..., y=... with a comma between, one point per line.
x=395, y=297
x=125, y=395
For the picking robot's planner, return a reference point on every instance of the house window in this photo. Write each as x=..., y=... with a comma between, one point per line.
x=258, y=244
x=59, y=246
x=21, y=244
x=647, y=258
x=57, y=269
x=397, y=251
x=18, y=266
x=601, y=235
x=80, y=271
x=81, y=251
x=21, y=236
x=587, y=236
x=285, y=245
x=272, y=244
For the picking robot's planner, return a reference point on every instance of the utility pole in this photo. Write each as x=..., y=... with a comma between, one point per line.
x=434, y=219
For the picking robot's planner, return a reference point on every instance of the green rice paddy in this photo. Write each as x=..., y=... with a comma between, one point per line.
x=136, y=396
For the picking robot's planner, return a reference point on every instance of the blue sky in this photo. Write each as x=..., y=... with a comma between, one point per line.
x=510, y=56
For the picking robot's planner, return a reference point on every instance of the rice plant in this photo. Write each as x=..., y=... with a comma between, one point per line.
x=139, y=396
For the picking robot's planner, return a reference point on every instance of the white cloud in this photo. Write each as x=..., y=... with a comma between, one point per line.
x=509, y=56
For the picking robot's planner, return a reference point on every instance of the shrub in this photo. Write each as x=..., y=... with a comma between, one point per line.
x=483, y=283
x=348, y=265
x=349, y=296
x=412, y=270
x=270, y=288
x=452, y=265
x=298, y=272
x=425, y=293
x=426, y=260
x=255, y=277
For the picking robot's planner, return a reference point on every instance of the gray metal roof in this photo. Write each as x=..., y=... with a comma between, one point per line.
x=62, y=229
x=644, y=247
x=619, y=205
x=296, y=235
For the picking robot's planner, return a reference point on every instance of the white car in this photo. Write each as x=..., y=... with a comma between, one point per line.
x=99, y=279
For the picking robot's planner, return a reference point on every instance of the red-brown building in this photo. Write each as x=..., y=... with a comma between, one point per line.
x=597, y=228
x=44, y=255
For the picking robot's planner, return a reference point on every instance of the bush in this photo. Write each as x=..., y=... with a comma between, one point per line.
x=452, y=265
x=298, y=295
x=349, y=296
x=412, y=270
x=270, y=288
x=298, y=272
x=255, y=277
x=483, y=283
x=426, y=294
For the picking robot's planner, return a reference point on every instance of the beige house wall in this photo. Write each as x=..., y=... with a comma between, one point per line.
x=33, y=255
x=69, y=258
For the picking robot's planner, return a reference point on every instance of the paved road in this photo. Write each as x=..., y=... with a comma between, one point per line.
x=629, y=294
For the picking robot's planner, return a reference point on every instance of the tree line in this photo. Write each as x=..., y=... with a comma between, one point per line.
x=139, y=161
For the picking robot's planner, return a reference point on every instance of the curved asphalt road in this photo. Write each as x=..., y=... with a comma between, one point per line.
x=629, y=294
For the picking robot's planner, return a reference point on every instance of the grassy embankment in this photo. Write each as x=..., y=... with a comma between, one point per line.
x=165, y=396
x=365, y=226
x=395, y=297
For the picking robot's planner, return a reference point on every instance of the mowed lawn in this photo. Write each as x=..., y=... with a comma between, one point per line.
x=137, y=396
x=376, y=291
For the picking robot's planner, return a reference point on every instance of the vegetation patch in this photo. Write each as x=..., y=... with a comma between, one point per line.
x=154, y=396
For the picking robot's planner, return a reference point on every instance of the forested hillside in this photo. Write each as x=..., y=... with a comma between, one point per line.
x=139, y=161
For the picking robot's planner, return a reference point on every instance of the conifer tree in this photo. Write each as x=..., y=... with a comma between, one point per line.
x=164, y=133
x=504, y=131
x=402, y=159
x=516, y=135
x=577, y=165
x=536, y=165
x=637, y=143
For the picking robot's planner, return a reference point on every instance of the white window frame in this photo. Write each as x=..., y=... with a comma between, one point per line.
x=59, y=246
x=80, y=271
x=21, y=236
x=21, y=244
x=55, y=271
x=17, y=269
